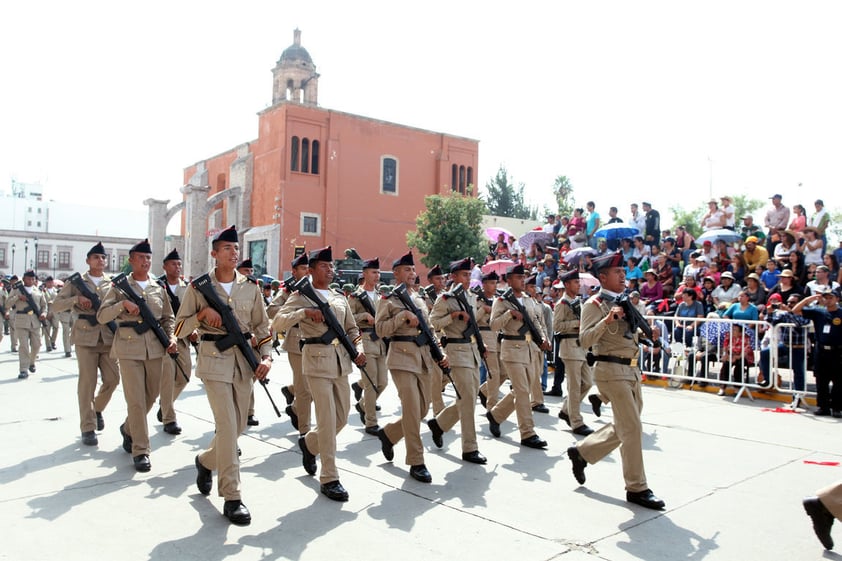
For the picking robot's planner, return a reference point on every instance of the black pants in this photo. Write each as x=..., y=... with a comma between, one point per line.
x=828, y=372
x=740, y=368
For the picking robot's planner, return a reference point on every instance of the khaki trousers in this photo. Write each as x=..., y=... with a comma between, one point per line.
x=436, y=387
x=51, y=331
x=579, y=381
x=518, y=399
x=141, y=385
x=173, y=382
x=535, y=390
x=29, y=343
x=66, y=328
x=376, y=368
x=332, y=398
x=495, y=378
x=229, y=404
x=626, y=403
x=91, y=360
x=462, y=410
x=301, y=391
x=414, y=393
x=831, y=498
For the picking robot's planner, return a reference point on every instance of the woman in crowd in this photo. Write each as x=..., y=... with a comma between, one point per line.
x=642, y=252
x=738, y=268
x=651, y=290
x=783, y=249
x=736, y=356
x=799, y=220
x=685, y=242
x=813, y=246
x=786, y=286
x=665, y=274
x=714, y=218
x=795, y=263
x=755, y=290
x=829, y=261
x=742, y=309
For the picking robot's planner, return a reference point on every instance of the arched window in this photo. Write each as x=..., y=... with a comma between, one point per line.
x=314, y=167
x=293, y=154
x=462, y=179
x=305, y=155
x=290, y=88
x=389, y=175
x=454, y=177
x=470, y=177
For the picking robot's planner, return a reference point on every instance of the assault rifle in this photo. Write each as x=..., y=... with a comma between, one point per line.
x=306, y=289
x=426, y=335
x=148, y=321
x=634, y=318
x=458, y=294
x=76, y=280
x=431, y=293
x=234, y=337
x=509, y=297
x=175, y=303
x=31, y=303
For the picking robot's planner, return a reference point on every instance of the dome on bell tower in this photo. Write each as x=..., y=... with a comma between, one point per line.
x=294, y=77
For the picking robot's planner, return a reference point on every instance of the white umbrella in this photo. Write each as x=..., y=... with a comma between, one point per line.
x=724, y=234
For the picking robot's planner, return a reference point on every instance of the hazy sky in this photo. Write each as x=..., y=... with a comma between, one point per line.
x=631, y=100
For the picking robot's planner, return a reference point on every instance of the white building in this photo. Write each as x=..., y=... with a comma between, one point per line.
x=54, y=237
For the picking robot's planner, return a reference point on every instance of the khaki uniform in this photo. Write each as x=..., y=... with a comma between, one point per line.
x=50, y=330
x=375, y=356
x=3, y=295
x=172, y=379
x=141, y=355
x=27, y=325
x=464, y=358
x=93, y=351
x=300, y=388
x=437, y=381
x=411, y=366
x=227, y=377
x=496, y=375
x=579, y=375
x=522, y=361
x=326, y=367
x=621, y=385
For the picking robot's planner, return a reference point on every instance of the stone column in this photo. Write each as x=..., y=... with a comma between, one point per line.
x=157, y=230
x=196, y=243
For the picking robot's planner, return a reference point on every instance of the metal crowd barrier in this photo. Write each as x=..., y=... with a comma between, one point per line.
x=700, y=360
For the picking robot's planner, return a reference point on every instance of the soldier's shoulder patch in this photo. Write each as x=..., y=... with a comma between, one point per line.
x=596, y=300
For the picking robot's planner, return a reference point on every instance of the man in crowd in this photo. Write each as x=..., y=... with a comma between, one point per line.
x=776, y=221
x=652, y=225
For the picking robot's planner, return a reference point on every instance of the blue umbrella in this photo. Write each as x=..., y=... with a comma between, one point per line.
x=616, y=231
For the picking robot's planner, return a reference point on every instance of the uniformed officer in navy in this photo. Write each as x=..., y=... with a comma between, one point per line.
x=827, y=321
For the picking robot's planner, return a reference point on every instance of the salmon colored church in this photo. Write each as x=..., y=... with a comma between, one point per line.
x=316, y=177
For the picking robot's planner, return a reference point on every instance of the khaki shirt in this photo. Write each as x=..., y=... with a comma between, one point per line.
x=489, y=336
x=246, y=302
x=321, y=360
x=16, y=303
x=566, y=323
x=465, y=355
x=403, y=355
x=502, y=320
x=375, y=347
x=604, y=339
x=87, y=331
x=292, y=334
x=128, y=343
x=180, y=291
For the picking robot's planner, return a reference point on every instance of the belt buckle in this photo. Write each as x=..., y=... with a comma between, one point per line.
x=29, y=313
x=633, y=362
x=473, y=339
x=528, y=337
x=335, y=342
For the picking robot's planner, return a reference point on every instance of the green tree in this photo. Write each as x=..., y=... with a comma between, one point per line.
x=504, y=199
x=563, y=191
x=449, y=229
x=743, y=206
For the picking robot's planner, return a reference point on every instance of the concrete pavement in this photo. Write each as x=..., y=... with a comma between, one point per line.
x=732, y=476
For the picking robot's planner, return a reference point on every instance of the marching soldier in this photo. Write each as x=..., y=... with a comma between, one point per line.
x=138, y=349
x=566, y=318
x=605, y=330
x=521, y=356
x=298, y=396
x=246, y=268
x=10, y=315
x=93, y=344
x=326, y=365
x=545, y=313
x=449, y=316
x=364, y=303
x=489, y=392
x=174, y=377
x=226, y=375
x=410, y=361
x=27, y=321
x=430, y=293
x=50, y=329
